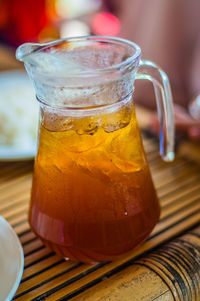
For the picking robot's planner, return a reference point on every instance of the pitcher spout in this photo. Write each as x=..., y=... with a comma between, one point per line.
x=26, y=49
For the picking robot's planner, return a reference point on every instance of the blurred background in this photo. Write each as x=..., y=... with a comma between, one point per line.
x=45, y=20
x=168, y=33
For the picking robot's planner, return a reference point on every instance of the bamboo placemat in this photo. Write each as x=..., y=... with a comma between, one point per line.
x=47, y=276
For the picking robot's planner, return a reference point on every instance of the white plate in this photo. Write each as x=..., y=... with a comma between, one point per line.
x=15, y=154
x=11, y=261
x=10, y=80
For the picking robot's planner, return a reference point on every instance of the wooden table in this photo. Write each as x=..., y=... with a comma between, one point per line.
x=48, y=277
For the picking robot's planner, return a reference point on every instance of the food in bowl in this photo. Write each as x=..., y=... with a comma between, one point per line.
x=18, y=111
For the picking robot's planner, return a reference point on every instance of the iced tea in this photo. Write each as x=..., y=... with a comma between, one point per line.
x=93, y=198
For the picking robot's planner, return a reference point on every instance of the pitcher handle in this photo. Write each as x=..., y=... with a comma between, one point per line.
x=150, y=71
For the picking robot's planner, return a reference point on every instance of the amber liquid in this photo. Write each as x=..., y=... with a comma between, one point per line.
x=93, y=198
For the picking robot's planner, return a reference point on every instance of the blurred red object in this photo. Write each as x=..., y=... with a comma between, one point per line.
x=26, y=20
x=105, y=23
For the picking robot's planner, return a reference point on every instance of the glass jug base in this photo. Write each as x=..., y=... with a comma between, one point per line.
x=91, y=256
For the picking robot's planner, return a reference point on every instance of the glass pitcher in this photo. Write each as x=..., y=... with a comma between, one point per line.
x=93, y=198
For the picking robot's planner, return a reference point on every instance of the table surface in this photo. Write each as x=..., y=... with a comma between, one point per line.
x=47, y=276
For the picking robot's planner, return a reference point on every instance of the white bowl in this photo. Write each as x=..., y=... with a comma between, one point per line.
x=11, y=261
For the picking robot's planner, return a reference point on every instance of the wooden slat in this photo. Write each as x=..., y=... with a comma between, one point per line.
x=37, y=256
x=15, y=181
x=41, y=266
x=179, y=186
x=21, y=227
x=27, y=237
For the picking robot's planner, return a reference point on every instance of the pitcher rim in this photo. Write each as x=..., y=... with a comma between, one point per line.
x=98, y=71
